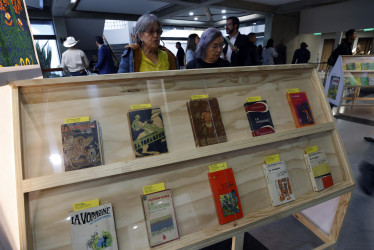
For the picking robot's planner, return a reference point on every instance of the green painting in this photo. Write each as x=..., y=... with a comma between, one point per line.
x=16, y=45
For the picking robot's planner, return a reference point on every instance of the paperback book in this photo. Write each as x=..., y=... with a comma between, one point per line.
x=93, y=228
x=206, y=122
x=319, y=170
x=300, y=109
x=225, y=196
x=333, y=87
x=278, y=183
x=160, y=217
x=82, y=145
x=259, y=118
x=147, y=132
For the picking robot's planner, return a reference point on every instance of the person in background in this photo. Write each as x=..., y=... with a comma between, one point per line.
x=345, y=48
x=269, y=53
x=259, y=49
x=301, y=55
x=180, y=55
x=105, y=64
x=236, y=51
x=253, y=57
x=282, y=53
x=209, y=50
x=147, y=54
x=192, y=42
x=74, y=60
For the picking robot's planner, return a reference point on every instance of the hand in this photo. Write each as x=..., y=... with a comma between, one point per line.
x=235, y=49
x=133, y=46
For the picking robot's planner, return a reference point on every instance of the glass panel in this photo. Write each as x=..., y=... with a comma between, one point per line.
x=48, y=56
x=42, y=27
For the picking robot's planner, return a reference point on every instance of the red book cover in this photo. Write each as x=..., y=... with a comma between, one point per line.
x=259, y=118
x=225, y=195
x=300, y=108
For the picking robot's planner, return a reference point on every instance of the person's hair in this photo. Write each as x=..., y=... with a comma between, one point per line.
x=145, y=22
x=208, y=36
x=99, y=39
x=251, y=35
x=270, y=43
x=349, y=33
x=234, y=19
x=191, y=42
x=178, y=43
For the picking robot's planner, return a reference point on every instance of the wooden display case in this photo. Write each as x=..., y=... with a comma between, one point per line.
x=352, y=74
x=46, y=193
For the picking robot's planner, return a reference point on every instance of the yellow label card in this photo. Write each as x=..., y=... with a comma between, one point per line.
x=254, y=99
x=77, y=119
x=217, y=167
x=141, y=106
x=357, y=66
x=295, y=90
x=197, y=97
x=154, y=188
x=312, y=149
x=272, y=158
x=86, y=204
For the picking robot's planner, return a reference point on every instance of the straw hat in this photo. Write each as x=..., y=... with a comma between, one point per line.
x=70, y=42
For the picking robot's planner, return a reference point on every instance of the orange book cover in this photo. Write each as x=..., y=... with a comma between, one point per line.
x=225, y=195
x=300, y=108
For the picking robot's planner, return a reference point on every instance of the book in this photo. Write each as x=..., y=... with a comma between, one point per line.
x=259, y=118
x=147, y=132
x=349, y=80
x=365, y=66
x=333, y=87
x=82, y=145
x=160, y=217
x=206, y=122
x=319, y=170
x=225, y=196
x=351, y=66
x=364, y=80
x=371, y=80
x=278, y=183
x=93, y=228
x=300, y=109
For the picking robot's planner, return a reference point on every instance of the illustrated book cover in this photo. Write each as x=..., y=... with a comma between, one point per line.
x=300, y=109
x=93, y=228
x=81, y=143
x=278, y=183
x=147, y=132
x=319, y=170
x=333, y=87
x=225, y=196
x=160, y=217
x=206, y=122
x=259, y=118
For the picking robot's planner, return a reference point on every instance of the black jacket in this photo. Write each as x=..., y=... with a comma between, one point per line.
x=301, y=55
x=253, y=57
x=198, y=64
x=239, y=58
x=345, y=48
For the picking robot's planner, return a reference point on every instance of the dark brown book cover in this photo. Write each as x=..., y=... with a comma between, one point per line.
x=206, y=122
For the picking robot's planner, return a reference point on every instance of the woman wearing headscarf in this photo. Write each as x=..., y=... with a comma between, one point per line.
x=147, y=54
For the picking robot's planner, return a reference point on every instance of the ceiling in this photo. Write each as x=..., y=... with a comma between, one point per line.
x=206, y=13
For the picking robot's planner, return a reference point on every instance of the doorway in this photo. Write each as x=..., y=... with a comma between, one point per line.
x=328, y=46
x=365, y=44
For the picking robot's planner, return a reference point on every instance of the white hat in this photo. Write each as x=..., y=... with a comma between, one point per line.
x=70, y=42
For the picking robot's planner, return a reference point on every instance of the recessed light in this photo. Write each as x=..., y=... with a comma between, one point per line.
x=191, y=13
x=223, y=17
x=223, y=11
x=196, y=18
x=254, y=23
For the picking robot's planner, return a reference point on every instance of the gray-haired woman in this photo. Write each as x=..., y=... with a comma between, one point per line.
x=208, y=52
x=147, y=54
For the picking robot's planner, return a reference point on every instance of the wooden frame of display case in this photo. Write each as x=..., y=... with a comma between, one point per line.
x=46, y=193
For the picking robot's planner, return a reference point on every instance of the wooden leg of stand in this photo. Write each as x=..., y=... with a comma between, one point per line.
x=238, y=242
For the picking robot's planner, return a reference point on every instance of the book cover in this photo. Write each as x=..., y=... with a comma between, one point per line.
x=93, y=228
x=351, y=66
x=225, y=196
x=300, y=108
x=160, y=217
x=365, y=66
x=349, y=80
x=81, y=143
x=147, y=132
x=259, y=118
x=333, y=87
x=371, y=80
x=206, y=122
x=319, y=170
x=371, y=66
x=365, y=80
x=278, y=183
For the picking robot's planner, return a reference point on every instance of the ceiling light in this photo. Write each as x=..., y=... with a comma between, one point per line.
x=369, y=29
x=196, y=18
x=223, y=11
x=191, y=13
x=254, y=23
x=223, y=17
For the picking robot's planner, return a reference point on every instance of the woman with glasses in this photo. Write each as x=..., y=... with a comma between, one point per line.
x=209, y=50
x=147, y=54
x=192, y=42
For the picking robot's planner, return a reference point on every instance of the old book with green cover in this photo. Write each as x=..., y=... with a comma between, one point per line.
x=206, y=122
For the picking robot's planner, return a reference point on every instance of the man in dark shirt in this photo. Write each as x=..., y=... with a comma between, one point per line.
x=345, y=48
x=301, y=55
x=180, y=55
x=253, y=57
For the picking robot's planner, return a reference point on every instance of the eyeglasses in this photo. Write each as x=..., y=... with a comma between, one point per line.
x=229, y=24
x=151, y=32
x=217, y=46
